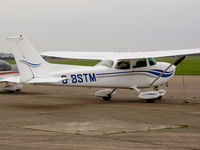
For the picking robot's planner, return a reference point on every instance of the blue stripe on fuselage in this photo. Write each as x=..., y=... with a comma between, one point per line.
x=155, y=72
x=92, y=77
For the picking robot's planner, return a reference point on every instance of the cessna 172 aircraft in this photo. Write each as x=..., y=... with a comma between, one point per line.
x=127, y=70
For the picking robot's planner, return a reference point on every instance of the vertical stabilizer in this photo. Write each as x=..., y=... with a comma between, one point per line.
x=28, y=60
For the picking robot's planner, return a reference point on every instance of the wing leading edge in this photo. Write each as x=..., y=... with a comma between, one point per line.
x=120, y=55
x=78, y=54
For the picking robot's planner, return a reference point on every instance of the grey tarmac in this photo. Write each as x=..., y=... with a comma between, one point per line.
x=72, y=118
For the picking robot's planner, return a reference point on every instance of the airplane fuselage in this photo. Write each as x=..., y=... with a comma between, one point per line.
x=102, y=76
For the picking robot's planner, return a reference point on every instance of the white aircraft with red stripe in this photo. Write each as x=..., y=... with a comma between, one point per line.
x=9, y=77
x=127, y=70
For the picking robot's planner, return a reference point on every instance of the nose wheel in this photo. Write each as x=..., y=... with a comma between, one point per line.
x=150, y=100
x=153, y=100
x=159, y=98
x=151, y=96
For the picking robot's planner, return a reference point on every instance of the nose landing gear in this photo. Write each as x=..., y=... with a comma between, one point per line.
x=151, y=96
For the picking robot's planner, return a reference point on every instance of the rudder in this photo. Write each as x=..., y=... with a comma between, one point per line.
x=29, y=62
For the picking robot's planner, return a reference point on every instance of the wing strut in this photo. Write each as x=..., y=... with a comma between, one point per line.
x=178, y=61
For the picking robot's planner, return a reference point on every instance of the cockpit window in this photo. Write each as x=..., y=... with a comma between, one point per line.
x=123, y=65
x=152, y=61
x=107, y=63
x=4, y=66
x=139, y=63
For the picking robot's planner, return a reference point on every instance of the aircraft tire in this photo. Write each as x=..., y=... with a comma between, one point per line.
x=12, y=92
x=150, y=100
x=159, y=98
x=107, y=98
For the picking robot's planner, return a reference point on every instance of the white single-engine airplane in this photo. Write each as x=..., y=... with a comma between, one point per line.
x=127, y=70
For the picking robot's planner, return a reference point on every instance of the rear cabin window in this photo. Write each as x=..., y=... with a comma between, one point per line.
x=123, y=65
x=137, y=63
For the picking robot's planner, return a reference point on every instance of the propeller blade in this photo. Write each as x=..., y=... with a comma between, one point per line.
x=179, y=60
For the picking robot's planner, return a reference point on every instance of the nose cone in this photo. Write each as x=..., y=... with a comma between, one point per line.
x=173, y=68
x=170, y=69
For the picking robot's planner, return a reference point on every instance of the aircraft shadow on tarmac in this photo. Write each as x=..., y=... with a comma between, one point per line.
x=54, y=106
x=21, y=93
x=61, y=103
x=43, y=106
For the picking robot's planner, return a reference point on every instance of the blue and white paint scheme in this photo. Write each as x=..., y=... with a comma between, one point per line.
x=30, y=64
x=127, y=70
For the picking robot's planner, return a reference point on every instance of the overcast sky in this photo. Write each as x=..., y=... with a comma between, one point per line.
x=102, y=25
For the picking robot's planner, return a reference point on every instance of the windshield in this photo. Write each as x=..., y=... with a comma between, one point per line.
x=107, y=63
x=152, y=61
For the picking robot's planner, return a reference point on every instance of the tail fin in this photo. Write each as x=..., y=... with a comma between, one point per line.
x=29, y=62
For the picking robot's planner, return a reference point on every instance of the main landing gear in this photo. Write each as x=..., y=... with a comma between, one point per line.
x=107, y=98
x=105, y=94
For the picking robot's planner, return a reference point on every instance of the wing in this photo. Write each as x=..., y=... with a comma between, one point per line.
x=120, y=55
x=79, y=55
x=155, y=54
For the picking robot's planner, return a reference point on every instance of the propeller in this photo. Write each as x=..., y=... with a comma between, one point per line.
x=178, y=61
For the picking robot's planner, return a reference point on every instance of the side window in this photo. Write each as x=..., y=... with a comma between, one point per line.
x=139, y=63
x=123, y=65
x=152, y=61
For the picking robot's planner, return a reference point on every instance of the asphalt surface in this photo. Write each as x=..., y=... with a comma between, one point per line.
x=58, y=118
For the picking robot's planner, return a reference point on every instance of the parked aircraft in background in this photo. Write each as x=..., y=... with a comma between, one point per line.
x=127, y=70
x=9, y=76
